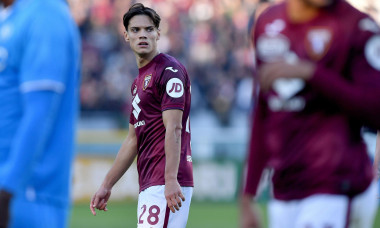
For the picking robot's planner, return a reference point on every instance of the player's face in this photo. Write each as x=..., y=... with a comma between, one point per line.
x=142, y=35
x=319, y=3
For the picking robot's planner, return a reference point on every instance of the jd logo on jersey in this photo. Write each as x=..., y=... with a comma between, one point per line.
x=146, y=81
x=174, y=88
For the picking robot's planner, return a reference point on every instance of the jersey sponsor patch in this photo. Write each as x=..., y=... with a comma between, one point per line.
x=174, y=88
x=139, y=123
x=287, y=88
x=147, y=81
x=272, y=48
x=135, y=104
x=372, y=52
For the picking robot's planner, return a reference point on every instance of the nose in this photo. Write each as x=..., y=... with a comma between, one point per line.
x=142, y=34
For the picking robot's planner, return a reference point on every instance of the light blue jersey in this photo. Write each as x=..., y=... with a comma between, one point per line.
x=39, y=86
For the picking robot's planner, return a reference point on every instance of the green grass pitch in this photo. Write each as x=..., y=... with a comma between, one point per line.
x=123, y=215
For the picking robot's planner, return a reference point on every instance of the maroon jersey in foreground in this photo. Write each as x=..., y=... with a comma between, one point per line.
x=309, y=132
x=161, y=85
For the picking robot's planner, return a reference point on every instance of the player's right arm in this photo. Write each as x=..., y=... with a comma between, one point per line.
x=123, y=161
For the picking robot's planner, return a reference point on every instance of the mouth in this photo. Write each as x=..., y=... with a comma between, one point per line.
x=143, y=44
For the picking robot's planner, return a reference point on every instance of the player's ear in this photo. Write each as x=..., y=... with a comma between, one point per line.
x=158, y=33
x=126, y=36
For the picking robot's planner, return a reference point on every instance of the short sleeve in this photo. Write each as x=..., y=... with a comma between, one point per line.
x=46, y=54
x=173, y=88
x=365, y=66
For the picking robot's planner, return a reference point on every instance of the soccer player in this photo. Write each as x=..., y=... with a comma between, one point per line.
x=39, y=80
x=319, y=71
x=159, y=130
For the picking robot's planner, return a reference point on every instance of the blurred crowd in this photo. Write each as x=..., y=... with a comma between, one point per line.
x=210, y=37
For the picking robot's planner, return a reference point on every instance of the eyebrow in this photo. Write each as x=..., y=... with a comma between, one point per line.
x=146, y=27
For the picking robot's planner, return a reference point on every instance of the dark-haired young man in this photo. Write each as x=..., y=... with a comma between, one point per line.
x=159, y=130
x=318, y=62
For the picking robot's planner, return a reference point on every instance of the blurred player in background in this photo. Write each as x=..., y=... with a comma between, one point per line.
x=159, y=130
x=39, y=85
x=319, y=71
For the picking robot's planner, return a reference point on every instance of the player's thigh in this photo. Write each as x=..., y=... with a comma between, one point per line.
x=364, y=207
x=153, y=212
x=151, y=207
x=323, y=210
x=179, y=218
x=37, y=215
x=281, y=214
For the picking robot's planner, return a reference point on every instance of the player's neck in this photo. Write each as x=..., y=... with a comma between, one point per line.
x=298, y=11
x=7, y=3
x=143, y=60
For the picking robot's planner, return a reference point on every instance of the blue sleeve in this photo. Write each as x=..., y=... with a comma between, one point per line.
x=40, y=110
x=46, y=53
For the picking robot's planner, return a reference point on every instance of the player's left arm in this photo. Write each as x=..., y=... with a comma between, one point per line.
x=172, y=119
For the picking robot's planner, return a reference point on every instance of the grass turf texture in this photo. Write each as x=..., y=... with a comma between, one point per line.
x=123, y=215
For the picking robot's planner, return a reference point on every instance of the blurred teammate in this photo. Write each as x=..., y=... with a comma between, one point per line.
x=319, y=70
x=159, y=130
x=39, y=80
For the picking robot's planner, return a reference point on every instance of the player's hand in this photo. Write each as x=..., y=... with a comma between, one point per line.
x=269, y=72
x=173, y=195
x=100, y=199
x=249, y=216
x=5, y=198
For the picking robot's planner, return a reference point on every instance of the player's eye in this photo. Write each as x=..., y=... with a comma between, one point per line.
x=150, y=29
x=134, y=30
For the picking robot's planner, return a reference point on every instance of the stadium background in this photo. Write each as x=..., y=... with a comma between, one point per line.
x=210, y=37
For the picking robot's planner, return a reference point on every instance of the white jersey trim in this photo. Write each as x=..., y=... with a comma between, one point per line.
x=38, y=85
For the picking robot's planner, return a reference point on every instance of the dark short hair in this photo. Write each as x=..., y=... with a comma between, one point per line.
x=140, y=9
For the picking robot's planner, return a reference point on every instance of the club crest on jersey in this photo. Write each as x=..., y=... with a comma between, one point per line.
x=318, y=41
x=174, y=88
x=147, y=81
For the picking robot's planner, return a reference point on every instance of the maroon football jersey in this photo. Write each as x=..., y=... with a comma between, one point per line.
x=310, y=132
x=161, y=85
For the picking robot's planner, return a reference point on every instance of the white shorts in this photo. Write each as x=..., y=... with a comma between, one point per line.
x=325, y=210
x=152, y=211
